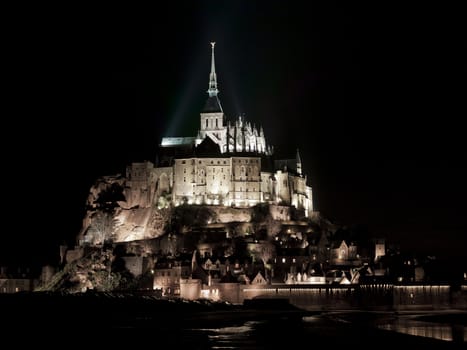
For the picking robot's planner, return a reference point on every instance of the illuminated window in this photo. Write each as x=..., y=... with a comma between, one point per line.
x=283, y=260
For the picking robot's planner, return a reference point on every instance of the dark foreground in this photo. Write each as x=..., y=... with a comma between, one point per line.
x=266, y=324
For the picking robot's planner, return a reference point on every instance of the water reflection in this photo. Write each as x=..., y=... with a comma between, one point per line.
x=234, y=337
x=337, y=329
x=441, y=331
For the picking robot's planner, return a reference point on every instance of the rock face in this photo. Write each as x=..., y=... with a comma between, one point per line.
x=90, y=272
x=140, y=223
x=110, y=217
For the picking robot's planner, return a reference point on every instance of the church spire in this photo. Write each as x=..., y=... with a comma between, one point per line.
x=299, y=163
x=212, y=91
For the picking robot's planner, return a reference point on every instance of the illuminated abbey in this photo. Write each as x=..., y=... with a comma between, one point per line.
x=228, y=163
x=228, y=166
x=217, y=216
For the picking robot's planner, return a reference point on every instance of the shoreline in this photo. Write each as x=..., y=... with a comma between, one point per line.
x=172, y=317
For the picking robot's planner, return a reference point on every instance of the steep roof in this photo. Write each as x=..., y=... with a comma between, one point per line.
x=212, y=105
x=208, y=148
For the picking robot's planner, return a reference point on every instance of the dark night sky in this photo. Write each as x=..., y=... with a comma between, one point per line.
x=373, y=96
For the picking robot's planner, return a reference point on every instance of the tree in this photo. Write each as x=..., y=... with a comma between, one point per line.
x=266, y=253
x=102, y=227
x=107, y=199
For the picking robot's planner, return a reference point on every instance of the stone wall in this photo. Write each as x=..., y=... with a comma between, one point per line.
x=421, y=296
x=230, y=292
x=280, y=212
x=459, y=297
x=134, y=264
x=228, y=214
x=190, y=289
x=377, y=296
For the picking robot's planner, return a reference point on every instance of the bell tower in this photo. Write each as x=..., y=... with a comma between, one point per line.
x=212, y=116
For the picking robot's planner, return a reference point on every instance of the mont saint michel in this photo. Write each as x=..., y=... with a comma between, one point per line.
x=217, y=219
x=217, y=216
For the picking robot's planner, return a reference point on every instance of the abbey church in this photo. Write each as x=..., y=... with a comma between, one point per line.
x=228, y=163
